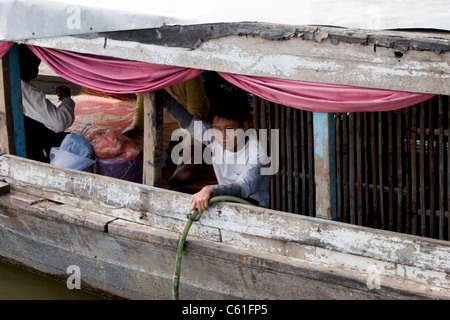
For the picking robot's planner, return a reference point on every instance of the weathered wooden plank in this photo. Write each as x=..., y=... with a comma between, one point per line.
x=34, y=178
x=16, y=128
x=191, y=36
x=390, y=143
x=77, y=216
x=153, y=142
x=312, y=57
x=448, y=170
x=441, y=169
x=368, y=208
x=339, y=182
x=256, y=117
x=140, y=232
x=61, y=212
x=407, y=163
x=23, y=199
x=332, y=163
x=352, y=169
x=374, y=170
x=346, y=165
x=320, y=255
x=380, y=168
x=423, y=220
x=432, y=180
x=321, y=191
x=6, y=121
x=304, y=161
x=278, y=186
x=296, y=152
x=311, y=171
x=400, y=160
x=359, y=166
x=289, y=160
x=107, y=263
x=270, y=152
x=137, y=262
x=283, y=165
x=414, y=179
x=64, y=210
x=263, y=114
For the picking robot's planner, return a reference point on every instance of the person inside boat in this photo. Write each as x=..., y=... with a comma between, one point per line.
x=191, y=95
x=44, y=123
x=237, y=157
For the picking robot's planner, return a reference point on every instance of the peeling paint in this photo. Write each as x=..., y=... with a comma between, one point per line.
x=320, y=124
x=299, y=239
x=347, y=63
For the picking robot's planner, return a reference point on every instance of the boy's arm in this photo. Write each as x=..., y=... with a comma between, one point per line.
x=196, y=128
x=180, y=114
x=243, y=187
x=231, y=189
x=197, y=102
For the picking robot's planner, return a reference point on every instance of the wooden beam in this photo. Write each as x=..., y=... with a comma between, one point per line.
x=153, y=142
x=256, y=228
x=6, y=121
x=415, y=62
x=322, y=168
x=11, y=105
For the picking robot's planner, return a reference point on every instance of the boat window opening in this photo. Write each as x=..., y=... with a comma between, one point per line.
x=388, y=197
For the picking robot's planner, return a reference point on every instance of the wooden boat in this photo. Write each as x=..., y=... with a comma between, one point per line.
x=123, y=236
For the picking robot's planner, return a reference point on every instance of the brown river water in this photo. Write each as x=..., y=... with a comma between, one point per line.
x=20, y=284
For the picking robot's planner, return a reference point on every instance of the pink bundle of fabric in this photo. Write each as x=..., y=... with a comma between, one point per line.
x=109, y=144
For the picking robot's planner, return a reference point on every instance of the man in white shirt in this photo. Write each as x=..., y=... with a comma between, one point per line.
x=45, y=123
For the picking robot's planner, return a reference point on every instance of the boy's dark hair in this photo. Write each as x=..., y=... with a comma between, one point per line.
x=28, y=62
x=230, y=102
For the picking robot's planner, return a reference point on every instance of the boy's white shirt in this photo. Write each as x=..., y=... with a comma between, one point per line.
x=36, y=106
x=242, y=167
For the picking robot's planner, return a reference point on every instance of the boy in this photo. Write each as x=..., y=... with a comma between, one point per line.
x=237, y=156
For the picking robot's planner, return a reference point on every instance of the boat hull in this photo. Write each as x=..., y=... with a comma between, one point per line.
x=124, y=236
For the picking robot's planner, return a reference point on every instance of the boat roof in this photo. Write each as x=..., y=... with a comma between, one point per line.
x=28, y=19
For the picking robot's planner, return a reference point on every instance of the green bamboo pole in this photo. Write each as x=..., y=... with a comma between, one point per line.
x=182, y=242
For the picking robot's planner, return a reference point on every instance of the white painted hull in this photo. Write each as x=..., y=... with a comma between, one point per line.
x=124, y=238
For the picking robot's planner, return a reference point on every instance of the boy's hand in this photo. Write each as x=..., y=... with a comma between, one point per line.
x=199, y=200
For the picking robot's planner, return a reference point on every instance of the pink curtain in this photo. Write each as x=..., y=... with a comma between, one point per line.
x=112, y=75
x=319, y=97
x=115, y=75
x=4, y=47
